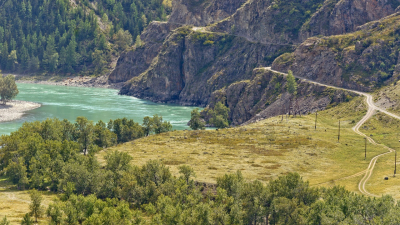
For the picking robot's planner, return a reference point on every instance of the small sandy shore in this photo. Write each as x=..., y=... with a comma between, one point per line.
x=15, y=110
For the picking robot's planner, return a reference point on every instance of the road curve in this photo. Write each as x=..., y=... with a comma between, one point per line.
x=371, y=110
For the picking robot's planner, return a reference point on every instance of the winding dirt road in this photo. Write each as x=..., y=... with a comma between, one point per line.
x=371, y=111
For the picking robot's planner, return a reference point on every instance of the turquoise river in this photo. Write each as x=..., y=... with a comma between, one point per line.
x=96, y=104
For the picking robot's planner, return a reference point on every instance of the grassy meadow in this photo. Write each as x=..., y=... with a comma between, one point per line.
x=269, y=148
x=263, y=151
x=14, y=203
x=384, y=130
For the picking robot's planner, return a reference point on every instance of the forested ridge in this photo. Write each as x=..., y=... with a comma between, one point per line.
x=57, y=36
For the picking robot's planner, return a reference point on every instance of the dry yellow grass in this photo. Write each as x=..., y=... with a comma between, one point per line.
x=384, y=129
x=268, y=149
x=15, y=203
x=263, y=151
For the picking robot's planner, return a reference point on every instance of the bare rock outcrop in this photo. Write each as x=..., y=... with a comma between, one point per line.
x=340, y=17
x=132, y=63
x=201, y=65
x=364, y=60
x=192, y=65
x=202, y=12
x=288, y=22
x=265, y=96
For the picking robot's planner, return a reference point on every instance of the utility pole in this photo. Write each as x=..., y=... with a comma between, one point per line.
x=365, y=147
x=316, y=116
x=395, y=159
x=338, y=137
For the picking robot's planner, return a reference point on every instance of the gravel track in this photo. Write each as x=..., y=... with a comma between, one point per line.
x=372, y=108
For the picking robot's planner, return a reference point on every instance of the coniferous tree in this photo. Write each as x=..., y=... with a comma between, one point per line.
x=36, y=208
x=55, y=36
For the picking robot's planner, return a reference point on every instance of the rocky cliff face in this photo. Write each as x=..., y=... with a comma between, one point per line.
x=288, y=22
x=133, y=63
x=202, y=65
x=192, y=65
x=340, y=17
x=202, y=12
x=364, y=60
x=259, y=20
x=265, y=96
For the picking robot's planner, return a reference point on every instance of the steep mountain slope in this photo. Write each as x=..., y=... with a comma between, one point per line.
x=133, y=63
x=339, y=17
x=185, y=12
x=363, y=60
x=70, y=36
x=202, y=12
x=191, y=65
x=202, y=65
x=287, y=21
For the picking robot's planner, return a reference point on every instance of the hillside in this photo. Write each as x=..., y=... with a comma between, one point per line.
x=70, y=36
x=364, y=60
x=209, y=59
x=225, y=164
x=269, y=148
x=305, y=95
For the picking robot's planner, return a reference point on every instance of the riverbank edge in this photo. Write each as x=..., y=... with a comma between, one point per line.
x=16, y=109
x=72, y=81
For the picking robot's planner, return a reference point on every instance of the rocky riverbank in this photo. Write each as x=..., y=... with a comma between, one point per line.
x=86, y=81
x=15, y=110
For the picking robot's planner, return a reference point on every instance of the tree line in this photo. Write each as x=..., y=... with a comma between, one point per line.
x=53, y=153
x=59, y=156
x=55, y=36
x=151, y=195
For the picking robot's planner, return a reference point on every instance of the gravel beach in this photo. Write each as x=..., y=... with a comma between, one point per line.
x=100, y=82
x=15, y=109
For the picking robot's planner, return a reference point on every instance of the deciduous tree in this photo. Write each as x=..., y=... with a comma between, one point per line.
x=8, y=88
x=123, y=39
x=196, y=122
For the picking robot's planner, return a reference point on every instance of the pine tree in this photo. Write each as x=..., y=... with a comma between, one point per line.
x=27, y=220
x=71, y=55
x=36, y=209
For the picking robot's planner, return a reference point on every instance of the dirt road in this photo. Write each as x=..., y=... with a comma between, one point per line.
x=372, y=108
